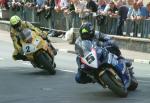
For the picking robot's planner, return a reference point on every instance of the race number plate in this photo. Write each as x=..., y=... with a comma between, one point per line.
x=90, y=58
x=30, y=48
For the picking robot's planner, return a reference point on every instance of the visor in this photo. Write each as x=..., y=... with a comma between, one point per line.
x=16, y=25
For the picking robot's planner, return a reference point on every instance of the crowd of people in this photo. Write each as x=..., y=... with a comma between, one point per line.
x=133, y=10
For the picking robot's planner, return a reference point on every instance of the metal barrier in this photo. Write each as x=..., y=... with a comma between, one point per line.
x=64, y=22
x=138, y=28
x=130, y=28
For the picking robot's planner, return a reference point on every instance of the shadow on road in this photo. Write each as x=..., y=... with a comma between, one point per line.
x=27, y=70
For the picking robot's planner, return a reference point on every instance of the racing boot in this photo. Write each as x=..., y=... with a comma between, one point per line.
x=83, y=78
x=53, y=49
x=20, y=57
x=128, y=64
x=51, y=46
x=134, y=82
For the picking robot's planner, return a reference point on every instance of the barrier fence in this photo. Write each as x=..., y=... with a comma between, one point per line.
x=60, y=21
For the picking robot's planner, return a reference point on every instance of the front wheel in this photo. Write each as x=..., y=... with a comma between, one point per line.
x=114, y=84
x=46, y=62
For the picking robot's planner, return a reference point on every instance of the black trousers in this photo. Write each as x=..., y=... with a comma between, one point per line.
x=120, y=27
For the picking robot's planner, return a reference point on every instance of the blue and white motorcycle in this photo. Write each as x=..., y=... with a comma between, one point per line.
x=106, y=68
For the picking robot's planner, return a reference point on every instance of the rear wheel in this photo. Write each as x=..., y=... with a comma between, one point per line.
x=114, y=84
x=46, y=61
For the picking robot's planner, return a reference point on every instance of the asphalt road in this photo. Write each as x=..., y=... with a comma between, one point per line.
x=21, y=83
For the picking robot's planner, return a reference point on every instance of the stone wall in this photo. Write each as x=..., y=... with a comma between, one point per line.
x=131, y=43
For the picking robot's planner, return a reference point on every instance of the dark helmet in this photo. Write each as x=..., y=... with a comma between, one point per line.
x=86, y=31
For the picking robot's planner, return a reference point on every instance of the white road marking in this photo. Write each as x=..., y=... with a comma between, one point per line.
x=143, y=75
x=144, y=81
x=70, y=71
x=27, y=63
x=63, y=50
x=142, y=61
x=47, y=89
x=1, y=58
x=147, y=74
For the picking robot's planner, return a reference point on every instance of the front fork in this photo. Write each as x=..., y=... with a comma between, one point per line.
x=110, y=70
x=124, y=74
x=125, y=78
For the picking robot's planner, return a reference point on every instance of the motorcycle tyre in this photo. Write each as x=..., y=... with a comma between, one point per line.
x=47, y=62
x=112, y=84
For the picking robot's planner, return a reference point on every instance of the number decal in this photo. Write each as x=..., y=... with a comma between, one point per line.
x=90, y=58
x=28, y=48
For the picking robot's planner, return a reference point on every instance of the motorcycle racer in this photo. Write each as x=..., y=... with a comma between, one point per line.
x=87, y=32
x=16, y=26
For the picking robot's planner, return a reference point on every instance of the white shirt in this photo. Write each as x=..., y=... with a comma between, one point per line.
x=64, y=4
x=79, y=7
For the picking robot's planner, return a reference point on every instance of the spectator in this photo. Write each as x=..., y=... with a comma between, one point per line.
x=69, y=13
x=101, y=5
x=106, y=8
x=119, y=3
x=135, y=19
x=39, y=6
x=80, y=6
x=135, y=14
x=64, y=4
x=91, y=6
x=17, y=4
x=148, y=9
x=123, y=10
x=48, y=7
x=57, y=5
x=143, y=10
x=113, y=10
x=101, y=19
x=130, y=2
x=130, y=7
x=50, y=13
x=4, y=4
x=29, y=4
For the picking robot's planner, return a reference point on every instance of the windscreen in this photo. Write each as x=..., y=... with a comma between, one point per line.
x=86, y=45
x=26, y=34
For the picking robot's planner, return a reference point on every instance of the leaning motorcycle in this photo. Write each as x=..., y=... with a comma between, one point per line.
x=106, y=68
x=37, y=51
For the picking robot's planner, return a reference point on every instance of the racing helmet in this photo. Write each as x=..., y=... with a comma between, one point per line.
x=15, y=21
x=86, y=31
